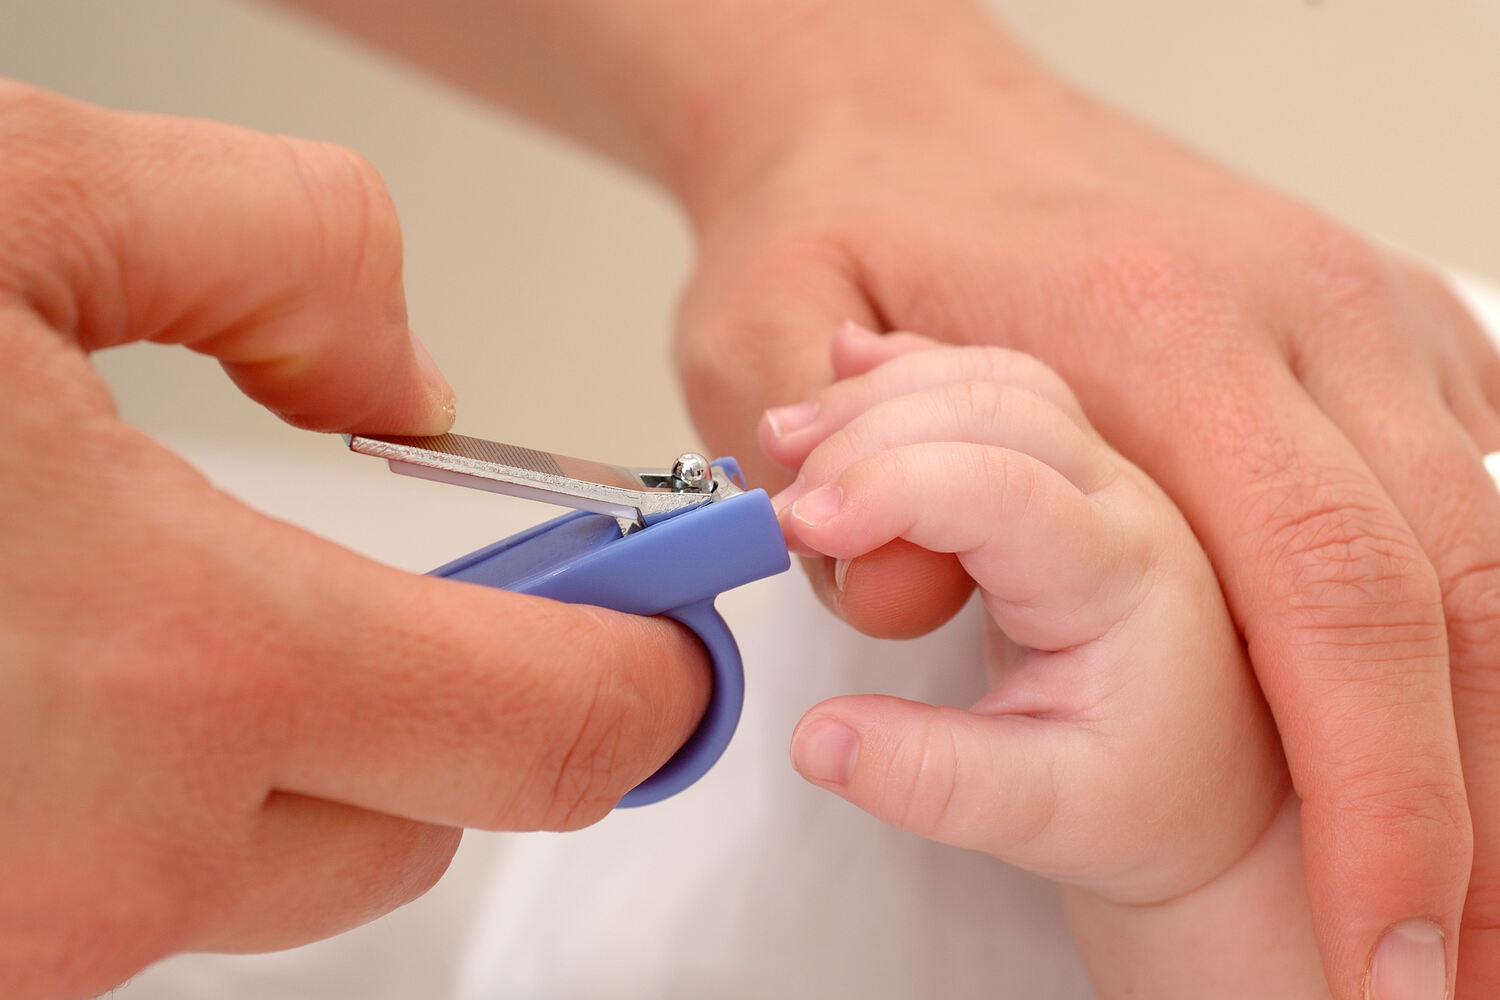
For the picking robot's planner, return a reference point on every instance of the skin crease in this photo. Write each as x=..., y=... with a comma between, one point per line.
x=1120, y=699
x=1303, y=503
x=216, y=731
x=1316, y=406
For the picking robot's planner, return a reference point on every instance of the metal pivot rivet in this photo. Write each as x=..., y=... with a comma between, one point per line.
x=691, y=473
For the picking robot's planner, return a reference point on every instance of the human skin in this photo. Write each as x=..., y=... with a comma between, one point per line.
x=1316, y=406
x=1122, y=747
x=218, y=732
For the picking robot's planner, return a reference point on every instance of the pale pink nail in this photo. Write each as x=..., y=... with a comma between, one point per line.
x=822, y=504
x=784, y=420
x=857, y=331
x=840, y=574
x=782, y=501
x=1410, y=963
x=825, y=752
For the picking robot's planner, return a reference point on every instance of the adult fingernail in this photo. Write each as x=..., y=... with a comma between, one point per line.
x=820, y=505
x=825, y=751
x=437, y=383
x=1410, y=963
x=784, y=420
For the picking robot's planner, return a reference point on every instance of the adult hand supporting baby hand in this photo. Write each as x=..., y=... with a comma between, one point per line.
x=216, y=731
x=1317, y=407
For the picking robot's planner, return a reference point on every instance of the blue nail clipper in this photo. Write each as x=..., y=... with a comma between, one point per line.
x=640, y=541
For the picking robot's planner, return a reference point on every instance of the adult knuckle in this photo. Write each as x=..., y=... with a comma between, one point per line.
x=609, y=732
x=26, y=110
x=353, y=220
x=1482, y=907
x=91, y=942
x=1412, y=802
x=587, y=782
x=1471, y=604
x=1344, y=270
x=1165, y=281
x=59, y=205
x=1333, y=547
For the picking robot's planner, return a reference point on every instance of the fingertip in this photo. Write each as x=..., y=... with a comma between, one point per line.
x=782, y=504
x=442, y=406
x=855, y=349
x=780, y=432
x=768, y=435
x=819, y=507
x=825, y=750
x=898, y=591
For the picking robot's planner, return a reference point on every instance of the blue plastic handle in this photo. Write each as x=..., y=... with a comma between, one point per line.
x=675, y=567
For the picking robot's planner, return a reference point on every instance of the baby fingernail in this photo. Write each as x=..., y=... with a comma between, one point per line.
x=785, y=420
x=825, y=752
x=781, y=501
x=857, y=330
x=1410, y=963
x=820, y=505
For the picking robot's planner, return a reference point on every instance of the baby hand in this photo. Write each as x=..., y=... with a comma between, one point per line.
x=1123, y=745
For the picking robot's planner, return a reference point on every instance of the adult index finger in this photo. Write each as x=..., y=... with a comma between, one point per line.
x=278, y=256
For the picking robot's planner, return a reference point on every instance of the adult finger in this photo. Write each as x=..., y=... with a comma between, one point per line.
x=278, y=256
x=314, y=863
x=1428, y=458
x=858, y=349
x=1343, y=616
x=753, y=332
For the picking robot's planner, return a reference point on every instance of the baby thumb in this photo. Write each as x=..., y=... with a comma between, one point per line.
x=975, y=781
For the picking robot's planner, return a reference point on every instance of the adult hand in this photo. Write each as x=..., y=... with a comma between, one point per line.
x=218, y=732
x=1316, y=406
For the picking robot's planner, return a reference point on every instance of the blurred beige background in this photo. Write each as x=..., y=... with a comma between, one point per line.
x=544, y=281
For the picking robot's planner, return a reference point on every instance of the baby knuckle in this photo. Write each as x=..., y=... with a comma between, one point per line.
x=973, y=403
x=921, y=784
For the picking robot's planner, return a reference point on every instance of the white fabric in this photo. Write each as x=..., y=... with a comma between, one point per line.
x=750, y=884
